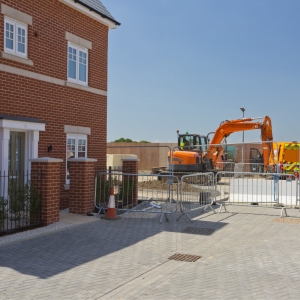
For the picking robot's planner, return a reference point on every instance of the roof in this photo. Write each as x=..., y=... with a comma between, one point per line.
x=98, y=7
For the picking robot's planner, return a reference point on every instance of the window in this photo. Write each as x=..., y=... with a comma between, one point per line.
x=15, y=37
x=76, y=148
x=186, y=142
x=204, y=143
x=77, y=64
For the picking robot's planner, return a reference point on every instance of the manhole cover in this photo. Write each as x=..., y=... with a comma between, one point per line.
x=185, y=257
x=197, y=230
x=287, y=220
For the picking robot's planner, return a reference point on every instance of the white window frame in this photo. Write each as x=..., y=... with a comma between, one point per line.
x=84, y=50
x=16, y=26
x=77, y=137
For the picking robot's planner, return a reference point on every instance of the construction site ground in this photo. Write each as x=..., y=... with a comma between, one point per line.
x=246, y=253
x=163, y=185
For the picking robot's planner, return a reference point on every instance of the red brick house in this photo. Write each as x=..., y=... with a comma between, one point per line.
x=53, y=83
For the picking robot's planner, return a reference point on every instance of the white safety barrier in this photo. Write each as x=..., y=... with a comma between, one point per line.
x=259, y=189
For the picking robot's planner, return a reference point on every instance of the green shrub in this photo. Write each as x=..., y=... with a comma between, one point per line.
x=126, y=190
x=103, y=188
x=24, y=199
x=3, y=212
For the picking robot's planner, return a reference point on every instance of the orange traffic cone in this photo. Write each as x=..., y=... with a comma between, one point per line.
x=111, y=213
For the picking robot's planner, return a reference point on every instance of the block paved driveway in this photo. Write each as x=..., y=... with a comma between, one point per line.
x=248, y=256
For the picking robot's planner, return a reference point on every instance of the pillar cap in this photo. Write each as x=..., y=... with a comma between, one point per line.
x=46, y=159
x=130, y=159
x=82, y=159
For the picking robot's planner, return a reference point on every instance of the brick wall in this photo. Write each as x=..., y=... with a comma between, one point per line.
x=67, y=108
x=47, y=176
x=82, y=172
x=48, y=51
x=55, y=104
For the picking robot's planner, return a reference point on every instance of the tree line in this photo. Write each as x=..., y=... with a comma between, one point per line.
x=126, y=140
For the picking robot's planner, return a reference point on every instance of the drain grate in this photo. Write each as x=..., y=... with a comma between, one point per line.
x=185, y=257
x=287, y=220
x=197, y=230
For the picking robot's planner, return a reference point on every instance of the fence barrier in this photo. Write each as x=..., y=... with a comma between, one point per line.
x=167, y=194
x=197, y=191
x=146, y=193
x=20, y=201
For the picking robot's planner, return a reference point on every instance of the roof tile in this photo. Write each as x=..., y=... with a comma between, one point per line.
x=99, y=8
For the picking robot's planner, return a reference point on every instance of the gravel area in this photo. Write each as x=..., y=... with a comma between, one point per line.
x=186, y=187
x=33, y=233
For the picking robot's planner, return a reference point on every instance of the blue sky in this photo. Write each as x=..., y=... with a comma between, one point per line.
x=191, y=64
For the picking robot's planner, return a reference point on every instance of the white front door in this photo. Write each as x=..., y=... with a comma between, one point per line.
x=18, y=144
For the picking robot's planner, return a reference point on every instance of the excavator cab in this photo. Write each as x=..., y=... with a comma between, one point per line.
x=192, y=142
x=256, y=161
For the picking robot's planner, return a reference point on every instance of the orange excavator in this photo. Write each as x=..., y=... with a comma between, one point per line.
x=215, y=150
x=196, y=154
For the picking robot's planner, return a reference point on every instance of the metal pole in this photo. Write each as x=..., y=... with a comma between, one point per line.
x=243, y=110
x=243, y=146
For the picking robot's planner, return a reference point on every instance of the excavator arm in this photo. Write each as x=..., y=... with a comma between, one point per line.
x=215, y=150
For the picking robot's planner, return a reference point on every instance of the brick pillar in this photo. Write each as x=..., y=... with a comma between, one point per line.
x=130, y=166
x=45, y=174
x=82, y=185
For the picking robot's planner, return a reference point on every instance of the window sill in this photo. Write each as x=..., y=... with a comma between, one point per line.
x=85, y=88
x=16, y=58
x=66, y=187
x=76, y=84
